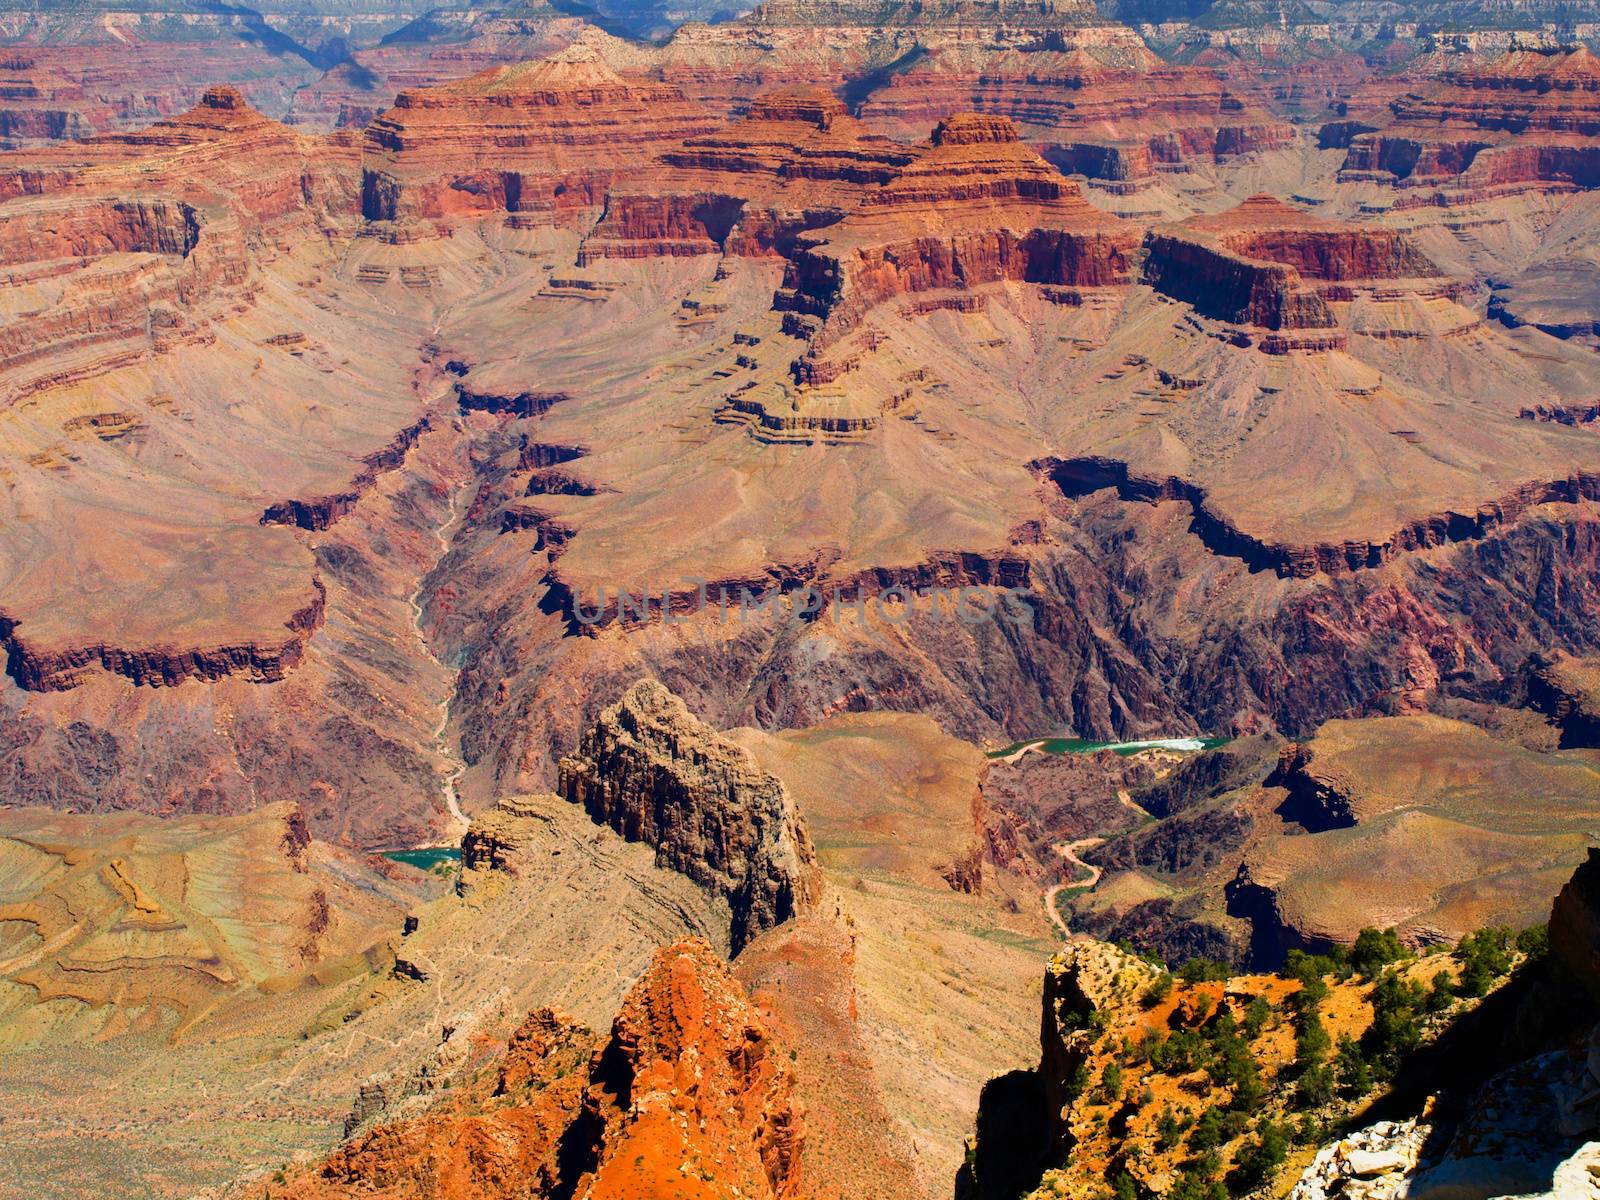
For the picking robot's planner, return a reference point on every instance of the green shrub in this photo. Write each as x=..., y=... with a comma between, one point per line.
x=1261, y=1158
x=1375, y=949
x=1199, y=1181
x=1207, y=1131
x=1203, y=970
x=1256, y=1016
x=1111, y=1082
x=1534, y=941
x=1311, y=1042
x=1306, y=967
x=1442, y=994
x=1168, y=1129
x=1484, y=957
x=1248, y=1093
x=1314, y=1088
x=1395, y=1030
x=1156, y=994
x=1351, y=1066
x=1312, y=993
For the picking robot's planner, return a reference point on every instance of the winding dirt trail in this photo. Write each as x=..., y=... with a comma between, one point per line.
x=1069, y=851
x=443, y=747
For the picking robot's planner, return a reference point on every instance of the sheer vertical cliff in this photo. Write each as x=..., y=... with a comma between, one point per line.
x=654, y=773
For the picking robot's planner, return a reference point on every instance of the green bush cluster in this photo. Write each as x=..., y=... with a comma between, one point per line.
x=1484, y=957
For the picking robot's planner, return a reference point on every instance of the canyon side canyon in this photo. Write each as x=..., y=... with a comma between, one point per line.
x=995, y=598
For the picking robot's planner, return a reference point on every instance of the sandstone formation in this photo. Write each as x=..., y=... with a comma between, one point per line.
x=38, y=103
x=498, y=1136
x=783, y=42
x=1122, y=119
x=796, y=161
x=690, y=1088
x=1527, y=119
x=1268, y=265
x=542, y=138
x=655, y=774
x=976, y=207
x=162, y=215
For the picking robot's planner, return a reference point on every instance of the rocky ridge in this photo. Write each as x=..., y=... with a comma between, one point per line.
x=690, y=1085
x=652, y=772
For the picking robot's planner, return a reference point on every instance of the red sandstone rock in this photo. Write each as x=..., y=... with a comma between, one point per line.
x=1530, y=118
x=145, y=231
x=796, y=162
x=689, y=1096
x=1252, y=265
x=977, y=206
x=546, y=137
x=1116, y=117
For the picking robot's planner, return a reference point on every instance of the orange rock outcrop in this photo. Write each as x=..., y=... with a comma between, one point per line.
x=1269, y=265
x=689, y=1096
x=1119, y=118
x=797, y=161
x=137, y=239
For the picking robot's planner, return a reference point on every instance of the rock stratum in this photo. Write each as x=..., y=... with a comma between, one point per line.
x=655, y=774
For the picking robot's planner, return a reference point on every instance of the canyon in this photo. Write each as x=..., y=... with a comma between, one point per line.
x=655, y=479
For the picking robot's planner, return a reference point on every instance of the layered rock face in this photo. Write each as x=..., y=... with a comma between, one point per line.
x=40, y=104
x=136, y=241
x=690, y=1084
x=124, y=249
x=835, y=45
x=545, y=137
x=977, y=206
x=655, y=774
x=795, y=162
x=1528, y=118
x=1268, y=265
x=1118, y=118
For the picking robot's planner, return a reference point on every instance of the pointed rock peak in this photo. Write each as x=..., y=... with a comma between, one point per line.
x=810, y=105
x=1579, y=61
x=651, y=701
x=1259, y=212
x=973, y=129
x=576, y=68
